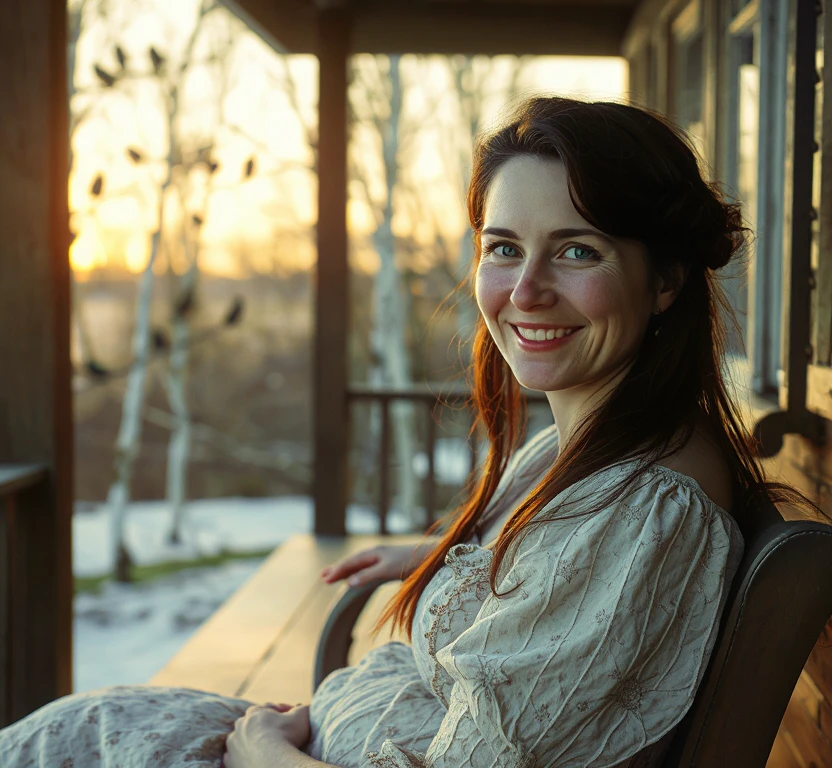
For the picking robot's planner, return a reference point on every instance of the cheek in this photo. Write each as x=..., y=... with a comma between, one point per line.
x=492, y=289
x=604, y=298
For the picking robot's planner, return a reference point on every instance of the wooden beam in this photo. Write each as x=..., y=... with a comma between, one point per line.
x=494, y=28
x=288, y=26
x=35, y=396
x=332, y=279
x=491, y=29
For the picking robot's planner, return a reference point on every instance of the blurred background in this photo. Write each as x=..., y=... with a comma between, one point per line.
x=192, y=194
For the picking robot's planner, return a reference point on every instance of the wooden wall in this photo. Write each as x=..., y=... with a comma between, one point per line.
x=35, y=375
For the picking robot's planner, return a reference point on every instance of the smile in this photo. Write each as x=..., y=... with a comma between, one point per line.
x=543, y=334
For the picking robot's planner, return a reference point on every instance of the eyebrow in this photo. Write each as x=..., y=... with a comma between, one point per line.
x=555, y=234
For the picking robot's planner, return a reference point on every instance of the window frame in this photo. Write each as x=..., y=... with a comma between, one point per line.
x=764, y=331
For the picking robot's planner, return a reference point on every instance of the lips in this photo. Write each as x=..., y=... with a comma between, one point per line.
x=539, y=333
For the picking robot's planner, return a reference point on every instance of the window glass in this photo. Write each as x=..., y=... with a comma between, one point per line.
x=744, y=127
x=687, y=44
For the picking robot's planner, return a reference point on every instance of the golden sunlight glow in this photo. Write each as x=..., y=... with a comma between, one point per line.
x=247, y=218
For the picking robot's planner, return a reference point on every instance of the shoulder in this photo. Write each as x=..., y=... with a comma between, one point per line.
x=702, y=460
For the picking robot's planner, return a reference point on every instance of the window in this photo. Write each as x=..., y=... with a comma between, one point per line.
x=687, y=73
x=754, y=169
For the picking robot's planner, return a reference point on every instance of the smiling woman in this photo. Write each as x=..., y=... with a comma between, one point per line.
x=567, y=308
x=567, y=612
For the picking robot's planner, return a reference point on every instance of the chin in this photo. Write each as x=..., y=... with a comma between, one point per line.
x=541, y=381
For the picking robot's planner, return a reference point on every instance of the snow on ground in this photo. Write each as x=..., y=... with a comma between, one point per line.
x=128, y=632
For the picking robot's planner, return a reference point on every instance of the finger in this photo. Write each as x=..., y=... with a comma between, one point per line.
x=350, y=565
x=367, y=574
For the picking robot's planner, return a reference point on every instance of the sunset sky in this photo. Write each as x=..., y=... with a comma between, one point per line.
x=242, y=107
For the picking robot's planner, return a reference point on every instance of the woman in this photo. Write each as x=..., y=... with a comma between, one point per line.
x=566, y=613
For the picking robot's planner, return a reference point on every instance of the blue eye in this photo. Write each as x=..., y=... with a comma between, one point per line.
x=506, y=251
x=582, y=253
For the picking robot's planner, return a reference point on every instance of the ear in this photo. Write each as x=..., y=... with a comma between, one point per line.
x=669, y=284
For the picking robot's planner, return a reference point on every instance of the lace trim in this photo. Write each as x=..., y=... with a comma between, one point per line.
x=469, y=576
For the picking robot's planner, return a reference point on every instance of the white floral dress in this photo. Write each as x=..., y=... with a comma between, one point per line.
x=592, y=661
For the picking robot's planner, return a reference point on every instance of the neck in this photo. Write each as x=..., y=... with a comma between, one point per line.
x=571, y=406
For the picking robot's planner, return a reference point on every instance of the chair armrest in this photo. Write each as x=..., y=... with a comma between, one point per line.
x=336, y=637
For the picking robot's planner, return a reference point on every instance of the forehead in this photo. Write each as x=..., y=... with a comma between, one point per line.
x=530, y=191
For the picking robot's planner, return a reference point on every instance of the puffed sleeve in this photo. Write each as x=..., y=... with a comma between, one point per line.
x=601, y=648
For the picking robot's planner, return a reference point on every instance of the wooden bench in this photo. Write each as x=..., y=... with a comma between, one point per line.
x=260, y=644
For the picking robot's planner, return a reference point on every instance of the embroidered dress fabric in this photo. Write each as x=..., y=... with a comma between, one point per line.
x=591, y=661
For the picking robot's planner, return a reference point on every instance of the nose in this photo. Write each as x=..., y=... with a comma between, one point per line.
x=534, y=288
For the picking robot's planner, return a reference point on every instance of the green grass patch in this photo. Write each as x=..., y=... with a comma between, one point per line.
x=147, y=573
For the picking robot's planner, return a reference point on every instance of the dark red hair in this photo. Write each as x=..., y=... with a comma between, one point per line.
x=631, y=175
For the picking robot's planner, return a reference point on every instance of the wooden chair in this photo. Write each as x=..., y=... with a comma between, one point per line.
x=778, y=605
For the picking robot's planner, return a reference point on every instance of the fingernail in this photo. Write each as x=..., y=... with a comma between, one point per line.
x=354, y=582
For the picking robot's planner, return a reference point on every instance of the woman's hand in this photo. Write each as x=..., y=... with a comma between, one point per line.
x=261, y=731
x=388, y=562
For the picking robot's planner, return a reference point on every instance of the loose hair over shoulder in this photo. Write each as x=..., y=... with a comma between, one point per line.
x=631, y=175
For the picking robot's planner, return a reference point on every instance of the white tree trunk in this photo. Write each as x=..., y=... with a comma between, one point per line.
x=179, y=448
x=389, y=340
x=129, y=434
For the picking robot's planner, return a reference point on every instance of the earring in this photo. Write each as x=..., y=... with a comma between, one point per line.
x=657, y=311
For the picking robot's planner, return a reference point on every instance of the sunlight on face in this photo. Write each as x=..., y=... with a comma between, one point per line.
x=544, y=270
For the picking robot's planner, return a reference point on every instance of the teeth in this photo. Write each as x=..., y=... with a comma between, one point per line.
x=541, y=335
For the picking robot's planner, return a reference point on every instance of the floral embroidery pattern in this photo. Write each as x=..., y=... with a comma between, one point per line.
x=471, y=581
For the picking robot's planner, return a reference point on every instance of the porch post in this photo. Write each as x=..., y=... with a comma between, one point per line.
x=35, y=395
x=331, y=278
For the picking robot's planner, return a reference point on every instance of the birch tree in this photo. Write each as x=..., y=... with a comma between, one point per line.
x=378, y=100
x=171, y=82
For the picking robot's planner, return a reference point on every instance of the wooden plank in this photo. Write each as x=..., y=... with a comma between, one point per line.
x=819, y=384
x=784, y=753
x=5, y=609
x=35, y=395
x=566, y=29
x=227, y=652
x=813, y=746
x=33, y=619
x=19, y=477
x=285, y=673
x=819, y=668
x=362, y=642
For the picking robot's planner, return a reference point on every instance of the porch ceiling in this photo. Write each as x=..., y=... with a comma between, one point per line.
x=540, y=27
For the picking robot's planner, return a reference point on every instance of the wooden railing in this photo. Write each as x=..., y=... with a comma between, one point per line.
x=429, y=400
x=26, y=629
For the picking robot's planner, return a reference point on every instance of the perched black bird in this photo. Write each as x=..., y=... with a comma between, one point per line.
x=212, y=166
x=235, y=314
x=134, y=154
x=121, y=56
x=97, y=185
x=160, y=340
x=96, y=370
x=249, y=167
x=185, y=303
x=156, y=59
x=104, y=76
x=197, y=219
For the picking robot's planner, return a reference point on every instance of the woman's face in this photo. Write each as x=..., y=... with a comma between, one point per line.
x=545, y=272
